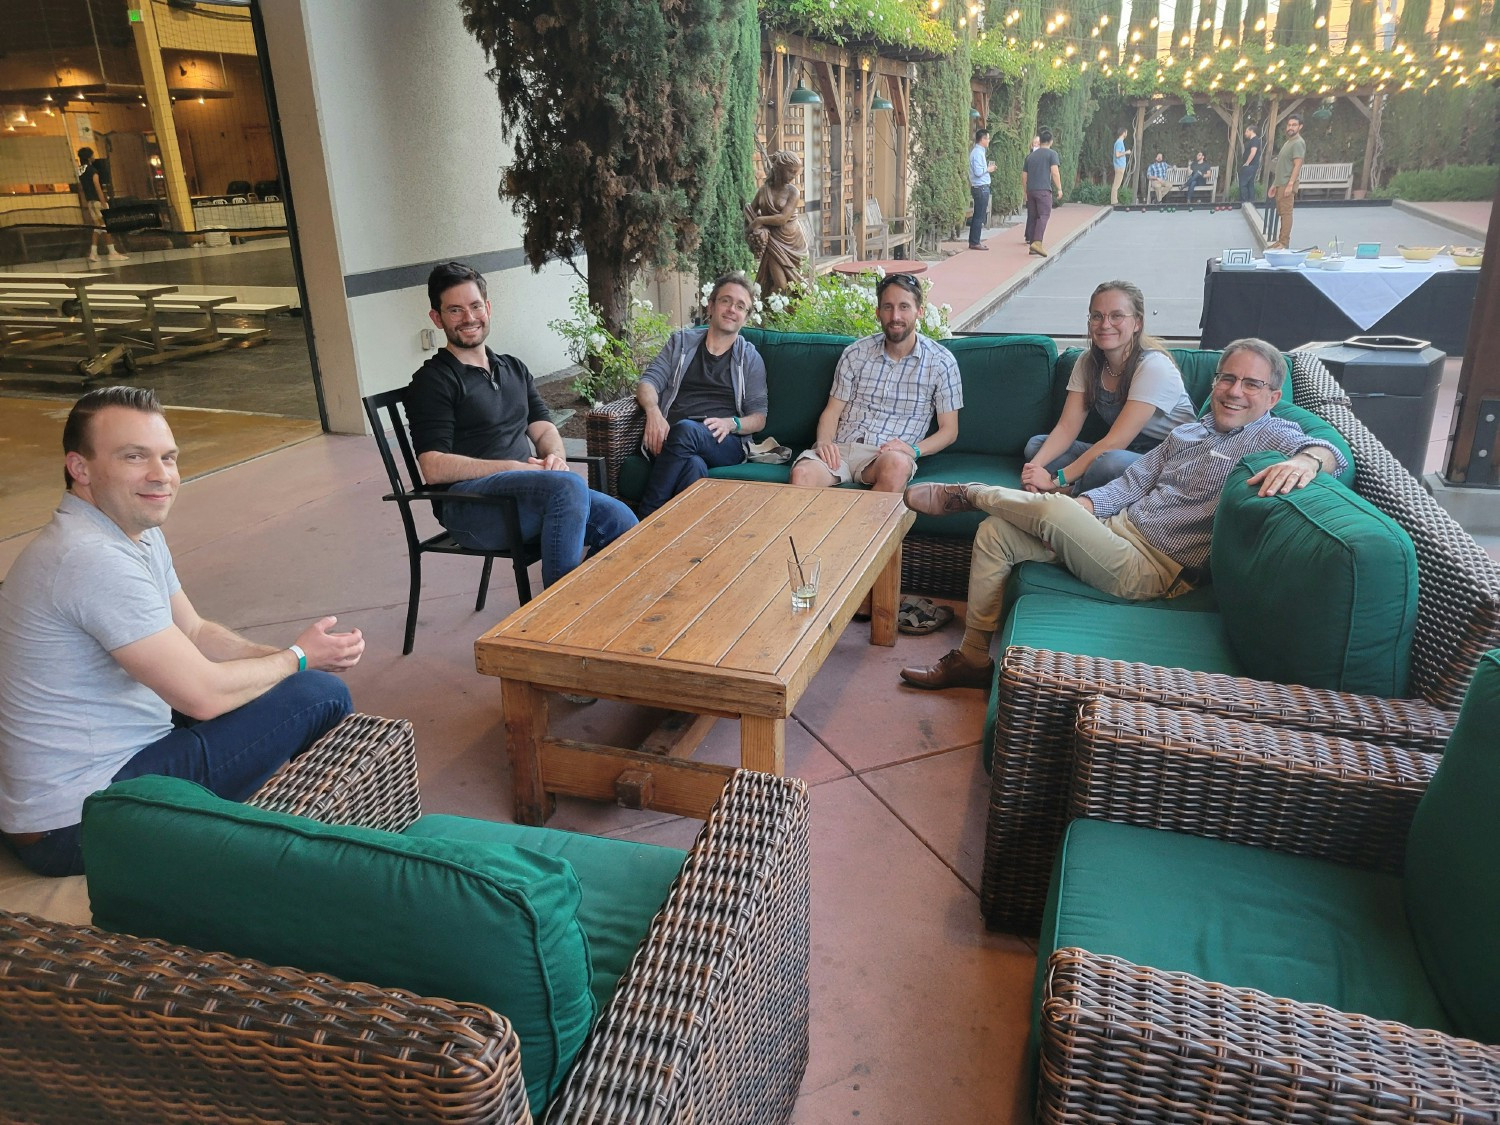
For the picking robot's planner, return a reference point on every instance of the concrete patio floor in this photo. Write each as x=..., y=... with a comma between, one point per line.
x=914, y=1004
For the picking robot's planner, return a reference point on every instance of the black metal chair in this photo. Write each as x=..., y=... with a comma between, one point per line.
x=393, y=403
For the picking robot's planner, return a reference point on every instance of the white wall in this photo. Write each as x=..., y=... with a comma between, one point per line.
x=392, y=132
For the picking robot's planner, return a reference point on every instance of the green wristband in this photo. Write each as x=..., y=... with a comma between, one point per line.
x=736, y=423
x=1062, y=481
x=296, y=650
x=916, y=452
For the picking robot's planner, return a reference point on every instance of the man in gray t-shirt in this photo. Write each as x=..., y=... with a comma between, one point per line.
x=99, y=646
x=1042, y=183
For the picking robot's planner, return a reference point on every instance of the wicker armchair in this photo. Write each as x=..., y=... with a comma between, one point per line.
x=1039, y=691
x=708, y=1024
x=1126, y=1042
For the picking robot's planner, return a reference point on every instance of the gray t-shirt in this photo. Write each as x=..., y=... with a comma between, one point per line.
x=707, y=389
x=1156, y=381
x=1039, y=164
x=70, y=716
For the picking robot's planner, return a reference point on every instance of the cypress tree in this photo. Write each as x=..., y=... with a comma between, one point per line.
x=731, y=183
x=942, y=134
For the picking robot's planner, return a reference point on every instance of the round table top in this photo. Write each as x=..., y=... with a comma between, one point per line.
x=895, y=265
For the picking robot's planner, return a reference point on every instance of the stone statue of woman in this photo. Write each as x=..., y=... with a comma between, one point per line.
x=771, y=226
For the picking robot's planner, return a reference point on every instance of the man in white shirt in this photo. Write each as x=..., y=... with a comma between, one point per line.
x=980, y=167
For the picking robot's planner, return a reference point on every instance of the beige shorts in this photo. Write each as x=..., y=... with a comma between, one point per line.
x=854, y=458
x=93, y=212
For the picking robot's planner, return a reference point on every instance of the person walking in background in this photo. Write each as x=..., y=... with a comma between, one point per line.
x=1041, y=180
x=1284, y=178
x=1250, y=169
x=980, y=167
x=1198, y=173
x=1121, y=154
x=94, y=196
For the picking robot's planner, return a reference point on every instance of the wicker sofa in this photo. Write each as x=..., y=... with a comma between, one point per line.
x=1039, y=690
x=1014, y=388
x=105, y=1026
x=1154, y=1019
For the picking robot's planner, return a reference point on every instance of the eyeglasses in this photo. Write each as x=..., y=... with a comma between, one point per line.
x=1116, y=318
x=729, y=301
x=1252, y=386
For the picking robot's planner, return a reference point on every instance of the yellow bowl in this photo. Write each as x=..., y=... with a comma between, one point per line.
x=1419, y=253
x=1467, y=256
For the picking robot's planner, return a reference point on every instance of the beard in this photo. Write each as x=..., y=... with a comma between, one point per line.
x=455, y=336
x=895, y=334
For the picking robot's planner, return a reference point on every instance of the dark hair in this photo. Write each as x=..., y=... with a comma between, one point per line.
x=76, y=428
x=1252, y=129
x=733, y=277
x=907, y=281
x=1094, y=357
x=444, y=277
x=1044, y=135
x=980, y=134
x=1297, y=117
x=85, y=155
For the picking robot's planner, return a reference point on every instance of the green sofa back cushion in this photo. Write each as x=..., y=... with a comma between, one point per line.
x=1316, y=586
x=1007, y=391
x=491, y=924
x=799, y=375
x=1452, y=889
x=623, y=883
x=1288, y=925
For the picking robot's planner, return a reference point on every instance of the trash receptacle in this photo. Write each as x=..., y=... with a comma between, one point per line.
x=1393, y=388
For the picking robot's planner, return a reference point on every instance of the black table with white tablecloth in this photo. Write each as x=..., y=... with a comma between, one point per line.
x=1288, y=309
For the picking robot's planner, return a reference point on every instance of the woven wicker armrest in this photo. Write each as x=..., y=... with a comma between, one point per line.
x=1313, y=385
x=97, y=1026
x=613, y=432
x=1268, y=787
x=710, y=1022
x=1038, y=695
x=363, y=771
x=1122, y=1042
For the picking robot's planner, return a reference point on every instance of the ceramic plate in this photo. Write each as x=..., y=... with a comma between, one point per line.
x=1392, y=265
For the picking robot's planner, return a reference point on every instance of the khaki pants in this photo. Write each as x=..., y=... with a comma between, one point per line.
x=1284, y=202
x=1109, y=555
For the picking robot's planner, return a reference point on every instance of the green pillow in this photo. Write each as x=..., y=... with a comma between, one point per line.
x=1316, y=586
x=624, y=883
x=1007, y=383
x=799, y=375
x=486, y=923
x=1451, y=888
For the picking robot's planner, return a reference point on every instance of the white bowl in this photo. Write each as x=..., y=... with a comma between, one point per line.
x=1332, y=263
x=1286, y=259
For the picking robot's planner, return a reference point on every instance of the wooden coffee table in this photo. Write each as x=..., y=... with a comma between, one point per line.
x=691, y=611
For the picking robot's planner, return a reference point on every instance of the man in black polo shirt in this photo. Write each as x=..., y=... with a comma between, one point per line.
x=471, y=414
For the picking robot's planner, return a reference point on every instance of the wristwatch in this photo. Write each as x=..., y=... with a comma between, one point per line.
x=1308, y=453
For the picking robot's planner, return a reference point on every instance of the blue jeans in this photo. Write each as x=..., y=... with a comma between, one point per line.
x=1106, y=467
x=1247, y=184
x=686, y=456
x=232, y=755
x=981, y=196
x=1194, y=182
x=557, y=508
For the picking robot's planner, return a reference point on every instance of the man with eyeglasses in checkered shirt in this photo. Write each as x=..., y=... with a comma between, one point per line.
x=1143, y=535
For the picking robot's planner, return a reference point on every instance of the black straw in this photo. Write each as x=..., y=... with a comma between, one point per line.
x=801, y=578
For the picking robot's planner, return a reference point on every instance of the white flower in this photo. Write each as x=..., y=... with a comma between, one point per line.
x=598, y=341
x=932, y=317
x=708, y=287
x=778, y=302
x=759, y=306
x=946, y=308
x=880, y=271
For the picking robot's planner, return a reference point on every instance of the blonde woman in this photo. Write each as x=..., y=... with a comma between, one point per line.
x=1127, y=380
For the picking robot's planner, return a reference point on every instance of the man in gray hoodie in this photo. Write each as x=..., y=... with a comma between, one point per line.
x=703, y=396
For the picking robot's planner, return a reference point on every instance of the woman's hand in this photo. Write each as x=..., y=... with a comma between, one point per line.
x=1035, y=478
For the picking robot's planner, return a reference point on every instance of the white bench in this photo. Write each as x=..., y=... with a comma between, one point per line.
x=1177, y=182
x=1328, y=178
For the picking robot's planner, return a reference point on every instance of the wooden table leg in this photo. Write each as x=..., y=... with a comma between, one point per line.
x=885, y=602
x=763, y=744
x=525, y=711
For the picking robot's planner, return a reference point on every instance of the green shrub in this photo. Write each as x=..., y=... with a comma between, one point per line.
x=1434, y=185
x=1097, y=195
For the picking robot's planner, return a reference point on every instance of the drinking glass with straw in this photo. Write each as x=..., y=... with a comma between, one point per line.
x=802, y=574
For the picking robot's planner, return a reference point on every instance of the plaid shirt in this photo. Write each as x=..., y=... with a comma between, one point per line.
x=887, y=399
x=1171, y=493
x=1158, y=171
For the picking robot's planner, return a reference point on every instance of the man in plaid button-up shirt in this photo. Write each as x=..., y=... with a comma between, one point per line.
x=886, y=391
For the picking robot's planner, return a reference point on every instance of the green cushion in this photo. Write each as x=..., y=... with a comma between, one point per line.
x=1007, y=392
x=1324, y=585
x=1287, y=925
x=1048, y=578
x=1133, y=631
x=1452, y=857
x=623, y=883
x=799, y=375
x=633, y=473
x=950, y=467
x=486, y=923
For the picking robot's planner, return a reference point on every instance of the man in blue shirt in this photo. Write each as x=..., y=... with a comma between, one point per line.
x=1121, y=152
x=1143, y=535
x=980, y=168
x=1157, y=173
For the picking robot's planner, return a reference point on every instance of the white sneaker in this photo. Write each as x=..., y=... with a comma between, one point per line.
x=116, y=256
x=93, y=259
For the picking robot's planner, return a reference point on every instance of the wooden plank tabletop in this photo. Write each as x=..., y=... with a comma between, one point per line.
x=103, y=289
x=65, y=278
x=693, y=605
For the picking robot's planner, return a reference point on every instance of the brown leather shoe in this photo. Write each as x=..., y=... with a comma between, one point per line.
x=937, y=499
x=953, y=670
